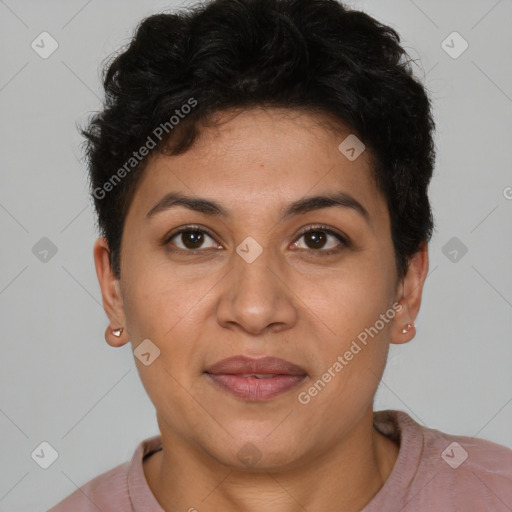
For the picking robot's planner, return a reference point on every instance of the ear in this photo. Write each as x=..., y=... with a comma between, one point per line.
x=408, y=295
x=111, y=294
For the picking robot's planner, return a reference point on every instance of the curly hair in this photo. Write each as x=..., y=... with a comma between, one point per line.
x=315, y=55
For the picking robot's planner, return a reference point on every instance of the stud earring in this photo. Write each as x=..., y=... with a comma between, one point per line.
x=117, y=332
x=407, y=328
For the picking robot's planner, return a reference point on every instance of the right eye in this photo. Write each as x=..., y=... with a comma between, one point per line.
x=191, y=238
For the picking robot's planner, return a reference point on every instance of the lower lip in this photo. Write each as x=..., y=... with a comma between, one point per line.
x=254, y=389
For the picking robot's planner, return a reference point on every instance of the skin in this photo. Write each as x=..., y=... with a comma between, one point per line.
x=291, y=302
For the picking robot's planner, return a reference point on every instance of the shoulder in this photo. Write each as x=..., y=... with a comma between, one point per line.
x=107, y=492
x=121, y=489
x=471, y=472
x=468, y=454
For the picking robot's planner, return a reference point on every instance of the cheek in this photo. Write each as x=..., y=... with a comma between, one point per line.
x=159, y=309
x=354, y=315
x=348, y=300
x=169, y=310
x=156, y=300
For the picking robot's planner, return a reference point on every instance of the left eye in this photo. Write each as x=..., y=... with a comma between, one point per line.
x=316, y=239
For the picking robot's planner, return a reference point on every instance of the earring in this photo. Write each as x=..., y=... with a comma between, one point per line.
x=117, y=332
x=407, y=328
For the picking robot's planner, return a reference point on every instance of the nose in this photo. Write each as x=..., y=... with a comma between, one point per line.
x=255, y=296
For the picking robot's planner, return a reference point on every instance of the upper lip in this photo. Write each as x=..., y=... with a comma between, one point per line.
x=242, y=365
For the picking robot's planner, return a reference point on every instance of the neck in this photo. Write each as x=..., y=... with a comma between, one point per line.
x=344, y=478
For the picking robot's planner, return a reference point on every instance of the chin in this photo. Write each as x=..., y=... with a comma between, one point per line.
x=256, y=451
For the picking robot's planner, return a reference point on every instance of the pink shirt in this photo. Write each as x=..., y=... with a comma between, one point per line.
x=434, y=471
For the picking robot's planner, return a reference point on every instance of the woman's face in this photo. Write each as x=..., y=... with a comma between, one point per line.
x=245, y=281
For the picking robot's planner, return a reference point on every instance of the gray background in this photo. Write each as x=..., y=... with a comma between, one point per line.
x=59, y=380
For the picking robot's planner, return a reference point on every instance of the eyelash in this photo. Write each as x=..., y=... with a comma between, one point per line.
x=325, y=229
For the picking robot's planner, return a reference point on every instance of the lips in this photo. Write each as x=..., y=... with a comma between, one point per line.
x=256, y=379
x=241, y=365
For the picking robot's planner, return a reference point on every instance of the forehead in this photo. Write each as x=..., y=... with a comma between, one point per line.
x=265, y=158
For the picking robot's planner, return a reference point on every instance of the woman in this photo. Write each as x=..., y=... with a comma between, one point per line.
x=260, y=173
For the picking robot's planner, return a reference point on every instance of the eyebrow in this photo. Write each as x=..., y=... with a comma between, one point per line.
x=304, y=205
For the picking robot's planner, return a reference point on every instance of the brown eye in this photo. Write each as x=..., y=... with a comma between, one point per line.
x=322, y=240
x=190, y=239
x=315, y=239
